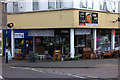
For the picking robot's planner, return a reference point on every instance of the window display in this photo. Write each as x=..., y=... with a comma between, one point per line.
x=104, y=40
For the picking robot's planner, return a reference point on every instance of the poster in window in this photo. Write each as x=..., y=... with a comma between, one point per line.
x=82, y=18
x=95, y=18
x=88, y=19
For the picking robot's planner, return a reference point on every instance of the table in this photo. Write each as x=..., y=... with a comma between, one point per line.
x=106, y=54
x=115, y=53
x=41, y=57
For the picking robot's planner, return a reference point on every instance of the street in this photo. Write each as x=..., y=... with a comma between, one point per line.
x=82, y=73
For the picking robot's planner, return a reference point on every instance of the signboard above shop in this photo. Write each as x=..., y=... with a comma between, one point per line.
x=19, y=35
x=88, y=19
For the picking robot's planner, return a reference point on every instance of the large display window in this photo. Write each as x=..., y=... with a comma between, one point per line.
x=60, y=41
x=104, y=40
x=117, y=38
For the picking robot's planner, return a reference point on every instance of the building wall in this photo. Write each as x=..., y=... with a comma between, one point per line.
x=59, y=19
x=27, y=5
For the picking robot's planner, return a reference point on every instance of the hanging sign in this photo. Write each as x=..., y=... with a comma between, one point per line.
x=88, y=19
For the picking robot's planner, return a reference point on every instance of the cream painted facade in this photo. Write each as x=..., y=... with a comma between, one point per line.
x=60, y=19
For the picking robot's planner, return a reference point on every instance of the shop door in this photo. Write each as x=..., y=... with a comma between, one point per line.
x=81, y=42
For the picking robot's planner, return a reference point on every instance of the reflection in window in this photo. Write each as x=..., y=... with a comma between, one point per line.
x=90, y=4
x=35, y=4
x=51, y=4
x=83, y=3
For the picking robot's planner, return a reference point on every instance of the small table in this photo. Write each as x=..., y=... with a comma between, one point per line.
x=41, y=57
x=106, y=54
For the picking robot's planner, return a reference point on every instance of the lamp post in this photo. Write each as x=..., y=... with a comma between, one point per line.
x=6, y=51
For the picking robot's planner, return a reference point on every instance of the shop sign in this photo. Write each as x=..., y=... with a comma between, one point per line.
x=88, y=19
x=19, y=35
x=41, y=33
x=82, y=31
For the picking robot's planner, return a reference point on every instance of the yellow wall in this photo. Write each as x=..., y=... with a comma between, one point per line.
x=51, y=19
x=59, y=19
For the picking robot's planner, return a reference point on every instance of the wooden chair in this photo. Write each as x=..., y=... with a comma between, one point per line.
x=88, y=53
x=56, y=55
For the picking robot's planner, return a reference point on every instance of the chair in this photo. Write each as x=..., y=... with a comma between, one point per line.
x=56, y=55
x=88, y=53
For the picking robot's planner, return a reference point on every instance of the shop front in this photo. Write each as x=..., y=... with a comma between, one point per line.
x=117, y=38
x=21, y=40
x=43, y=38
x=83, y=38
x=104, y=39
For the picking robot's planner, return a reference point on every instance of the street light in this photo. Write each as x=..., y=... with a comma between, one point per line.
x=5, y=7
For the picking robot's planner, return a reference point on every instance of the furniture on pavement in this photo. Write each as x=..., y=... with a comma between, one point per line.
x=115, y=53
x=56, y=55
x=88, y=53
x=106, y=54
x=41, y=57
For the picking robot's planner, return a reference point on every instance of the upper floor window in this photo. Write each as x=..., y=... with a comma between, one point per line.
x=90, y=4
x=59, y=4
x=51, y=4
x=15, y=7
x=101, y=3
x=83, y=3
x=35, y=4
x=111, y=6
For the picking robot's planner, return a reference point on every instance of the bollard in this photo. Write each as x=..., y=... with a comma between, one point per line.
x=6, y=57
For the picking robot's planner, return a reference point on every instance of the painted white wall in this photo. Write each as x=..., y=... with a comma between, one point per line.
x=10, y=7
x=21, y=6
x=28, y=5
x=68, y=3
x=76, y=4
x=96, y=5
x=43, y=4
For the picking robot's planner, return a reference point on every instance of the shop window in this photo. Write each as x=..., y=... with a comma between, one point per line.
x=35, y=4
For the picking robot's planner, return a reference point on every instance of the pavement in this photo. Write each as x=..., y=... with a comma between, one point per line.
x=88, y=63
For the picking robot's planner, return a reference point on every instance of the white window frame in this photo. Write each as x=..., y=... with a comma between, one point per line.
x=55, y=4
x=52, y=6
x=16, y=7
x=33, y=5
x=86, y=5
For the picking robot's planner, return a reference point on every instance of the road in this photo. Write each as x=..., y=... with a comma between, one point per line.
x=82, y=73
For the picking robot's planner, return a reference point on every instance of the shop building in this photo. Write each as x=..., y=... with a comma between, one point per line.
x=69, y=24
x=69, y=30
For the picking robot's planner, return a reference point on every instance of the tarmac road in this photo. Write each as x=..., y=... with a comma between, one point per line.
x=84, y=73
